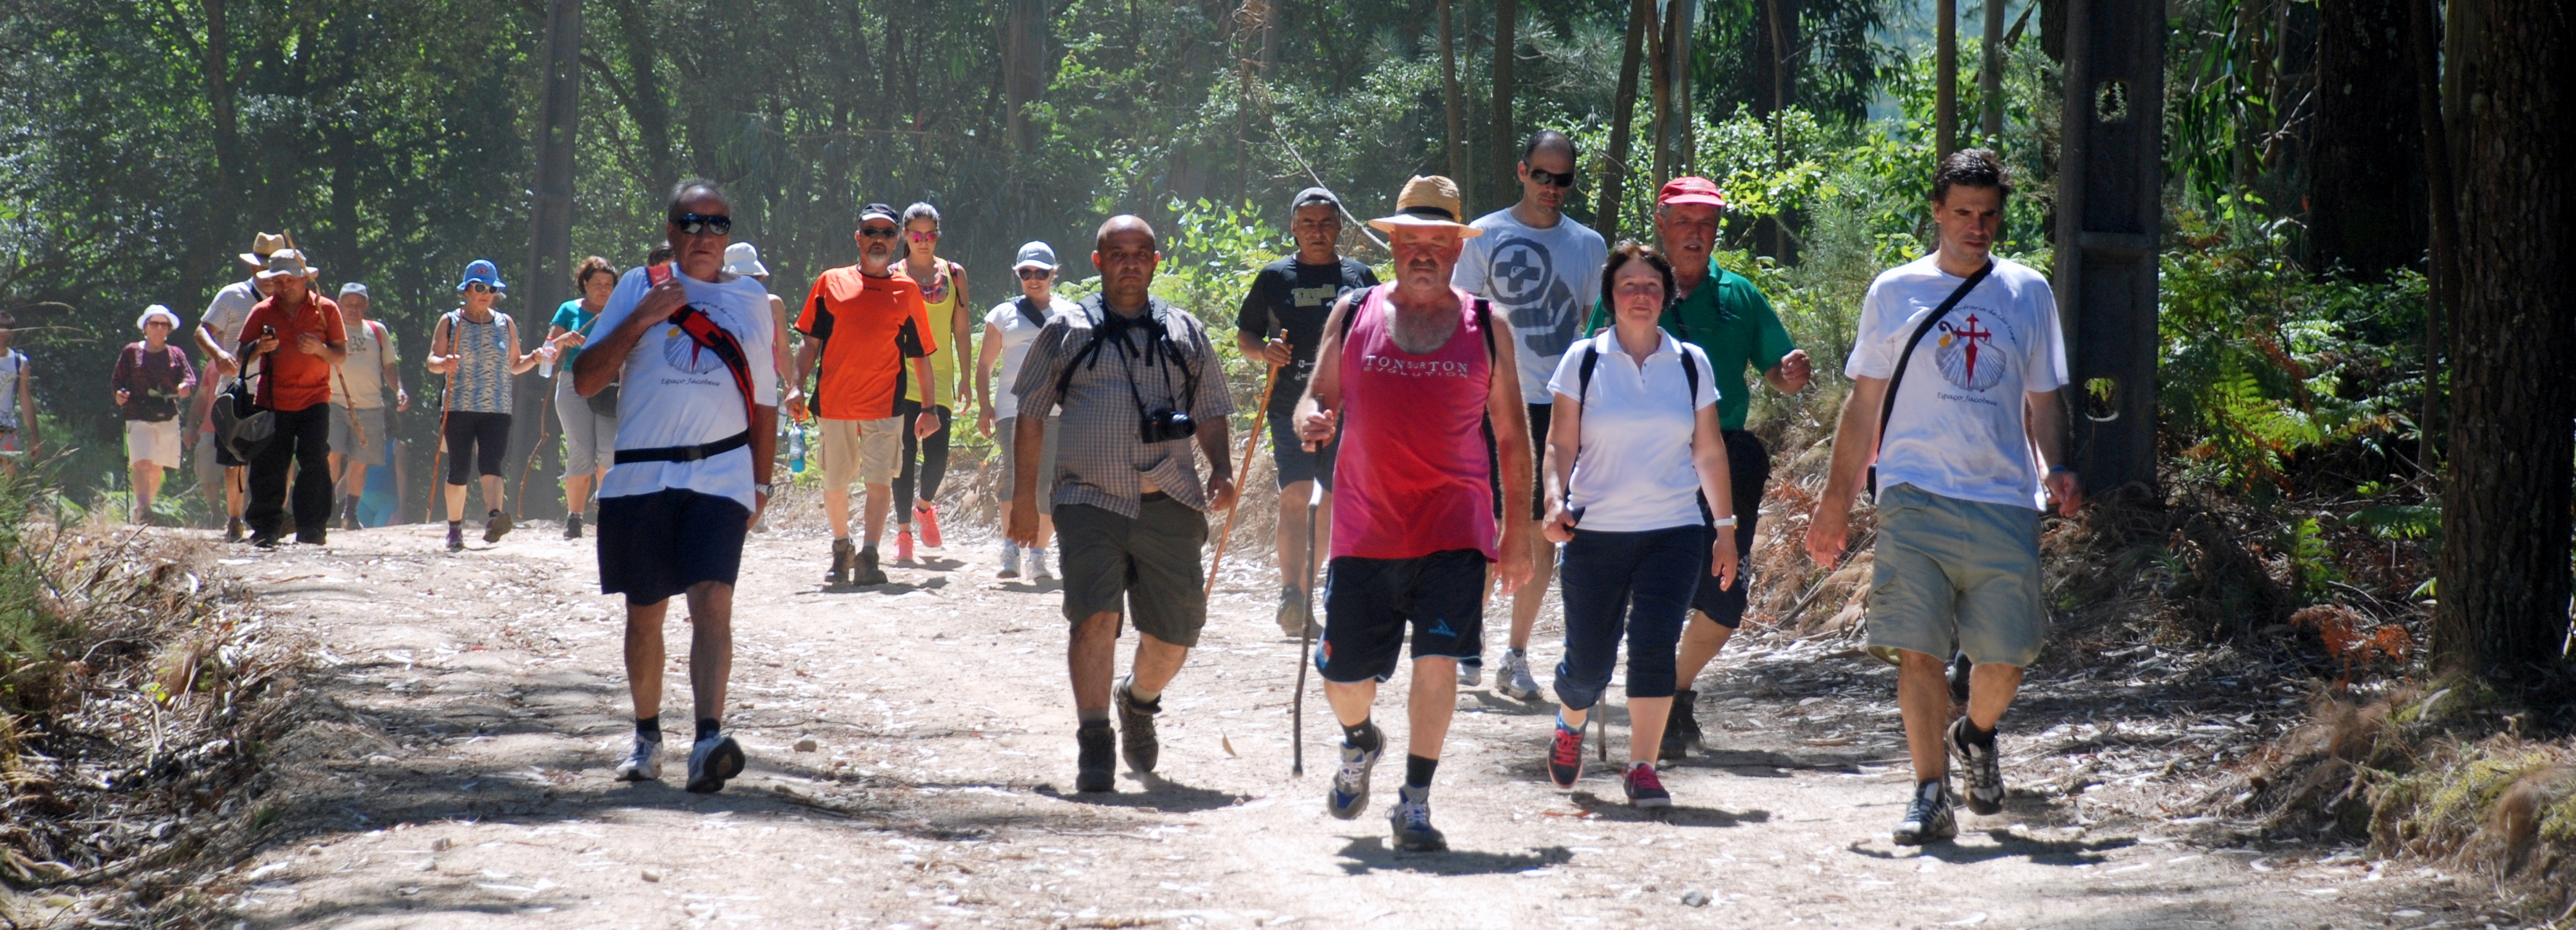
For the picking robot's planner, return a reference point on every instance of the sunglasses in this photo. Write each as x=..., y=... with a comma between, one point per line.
x=931, y=236
x=699, y=224
x=878, y=232
x=1035, y=274
x=478, y=288
x=1550, y=178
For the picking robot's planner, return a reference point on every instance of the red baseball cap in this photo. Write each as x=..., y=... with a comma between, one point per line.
x=1693, y=190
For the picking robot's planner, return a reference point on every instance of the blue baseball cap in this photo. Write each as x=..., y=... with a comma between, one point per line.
x=482, y=272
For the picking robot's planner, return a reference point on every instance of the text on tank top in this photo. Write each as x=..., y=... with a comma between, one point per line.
x=1412, y=479
x=481, y=383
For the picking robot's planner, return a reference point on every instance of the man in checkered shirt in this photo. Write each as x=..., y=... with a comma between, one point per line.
x=1138, y=381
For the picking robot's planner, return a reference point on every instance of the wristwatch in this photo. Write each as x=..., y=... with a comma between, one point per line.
x=762, y=488
x=1725, y=521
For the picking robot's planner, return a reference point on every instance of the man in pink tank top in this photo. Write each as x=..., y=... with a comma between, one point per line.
x=1407, y=374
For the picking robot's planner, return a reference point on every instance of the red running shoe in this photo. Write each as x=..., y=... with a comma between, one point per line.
x=903, y=546
x=928, y=517
x=1644, y=787
x=1565, y=757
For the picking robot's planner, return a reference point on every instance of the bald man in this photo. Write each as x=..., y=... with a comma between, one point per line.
x=1138, y=381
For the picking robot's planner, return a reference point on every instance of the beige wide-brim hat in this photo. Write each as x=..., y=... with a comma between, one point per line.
x=287, y=263
x=1428, y=200
x=261, y=246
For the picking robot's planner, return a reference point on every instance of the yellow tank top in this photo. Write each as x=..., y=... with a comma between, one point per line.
x=940, y=297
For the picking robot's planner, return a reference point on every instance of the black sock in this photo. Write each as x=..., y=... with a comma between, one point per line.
x=1969, y=733
x=1363, y=737
x=649, y=728
x=1417, y=771
x=706, y=727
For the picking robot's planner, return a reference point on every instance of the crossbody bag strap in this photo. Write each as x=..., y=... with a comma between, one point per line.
x=1887, y=405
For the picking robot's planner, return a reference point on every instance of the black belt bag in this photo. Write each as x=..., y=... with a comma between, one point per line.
x=685, y=453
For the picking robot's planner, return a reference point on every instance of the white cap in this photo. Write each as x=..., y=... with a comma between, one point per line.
x=353, y=287
x=1036, y=255
x=743, y=258
x=145, y=321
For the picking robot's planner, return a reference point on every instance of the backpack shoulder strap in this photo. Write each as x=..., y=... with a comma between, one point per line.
x=1690, y=372
x=1485, y=324
x=1583, y=372
x=1029, y=311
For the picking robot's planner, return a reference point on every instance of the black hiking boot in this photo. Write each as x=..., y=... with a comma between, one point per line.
x=1136, y=738
x=841, y=558
x=864, y=570
x=1681, y=729
x=1096, y=769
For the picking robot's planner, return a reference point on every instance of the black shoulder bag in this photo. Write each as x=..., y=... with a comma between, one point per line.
x=1887, y=405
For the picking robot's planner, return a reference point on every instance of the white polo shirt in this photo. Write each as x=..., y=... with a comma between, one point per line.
x=1633, y=472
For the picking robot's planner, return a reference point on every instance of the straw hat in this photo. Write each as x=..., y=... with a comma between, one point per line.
x=262, y=246
x=1429, y=200
x=287, y=263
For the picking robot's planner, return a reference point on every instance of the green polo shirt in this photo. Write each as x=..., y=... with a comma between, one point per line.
x=1729, y=319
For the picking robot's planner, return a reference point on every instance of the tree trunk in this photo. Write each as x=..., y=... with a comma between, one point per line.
x=216, y=65
x=2366, y=187
x=1504, y=139
x=1659, y=111
x=1945, y=71
x=1990, y=76
x=2503, y=569
x=1024, y=65
x=1623, y=114
x=1677, y=46
x=646, y=105
x=1455, y=141
x=1777, y=41
x=2444, y=268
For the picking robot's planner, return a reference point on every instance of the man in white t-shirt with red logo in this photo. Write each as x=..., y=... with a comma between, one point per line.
x=697, y=422
x=1972, y=345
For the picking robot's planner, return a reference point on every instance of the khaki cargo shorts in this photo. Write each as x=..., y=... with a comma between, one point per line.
x=1952, y=576
x=861, y=450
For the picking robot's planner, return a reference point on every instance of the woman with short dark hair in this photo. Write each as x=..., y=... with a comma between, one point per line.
x=589, y=423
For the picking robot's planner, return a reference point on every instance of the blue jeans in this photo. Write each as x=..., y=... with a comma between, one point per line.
x=1639, y=584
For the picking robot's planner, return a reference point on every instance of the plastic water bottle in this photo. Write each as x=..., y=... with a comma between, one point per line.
x=795, y=449
x=546, y=360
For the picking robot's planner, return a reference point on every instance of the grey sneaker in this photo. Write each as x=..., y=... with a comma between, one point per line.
x=1985, y=774
x=572, y=526
x=1513, y=678
x=1010, y=561
x=1471, y=672
x=1928, y=818
x=1411, y=822
x=712, y=761
x=1037, y=564
x=1136, y=728
x=1292, y=614
x=645, y=764
x=1350, y=792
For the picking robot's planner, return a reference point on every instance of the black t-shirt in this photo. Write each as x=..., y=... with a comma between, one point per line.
x=1295, y=297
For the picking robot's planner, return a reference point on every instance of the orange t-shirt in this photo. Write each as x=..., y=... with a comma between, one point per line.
x=868, y=326
x=291, y=379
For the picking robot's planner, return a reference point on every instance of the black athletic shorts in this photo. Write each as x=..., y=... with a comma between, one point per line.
x=1368, y=603
x=484, y=436
x=653, y=546
x=1748, y=468
x=1538, y=420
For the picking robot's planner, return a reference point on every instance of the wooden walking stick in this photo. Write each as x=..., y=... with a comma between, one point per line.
x=1251, y=441
x=1305, y=639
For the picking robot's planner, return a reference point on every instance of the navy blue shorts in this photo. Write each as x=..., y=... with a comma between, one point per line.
x=1368, y=602
x=1748, y=468
x=653, y=546
x=1295, y=463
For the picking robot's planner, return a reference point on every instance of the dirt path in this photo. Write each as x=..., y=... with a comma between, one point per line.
x=470, y=783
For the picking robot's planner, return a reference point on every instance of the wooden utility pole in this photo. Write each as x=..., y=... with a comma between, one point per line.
x=548, y=278
x=1614, y=173
x=1457, y=114
x=1945, y=71
x=1990, y=76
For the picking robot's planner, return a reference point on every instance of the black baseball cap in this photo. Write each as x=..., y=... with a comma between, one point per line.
x=1314, y=196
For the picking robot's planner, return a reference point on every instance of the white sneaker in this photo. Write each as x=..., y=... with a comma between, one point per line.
x=645, y=764
x=712, y=761
x=1470, y=674
x=1513, y=679
x=1010, y=561
x=1037, y=563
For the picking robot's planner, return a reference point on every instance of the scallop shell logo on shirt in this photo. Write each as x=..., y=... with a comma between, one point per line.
x=1968, y=356
x=683, y=352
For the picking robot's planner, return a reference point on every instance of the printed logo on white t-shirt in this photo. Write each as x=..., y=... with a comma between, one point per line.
x=1523, y=278
x=684, y=353
x=1974, y=353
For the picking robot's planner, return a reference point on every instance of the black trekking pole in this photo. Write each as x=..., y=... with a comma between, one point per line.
x=1305, y=638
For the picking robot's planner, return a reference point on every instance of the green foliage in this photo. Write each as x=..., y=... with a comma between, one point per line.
x=2262, y=361
x=27, y=627
x=2311, y=560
